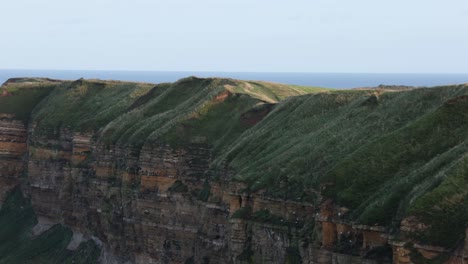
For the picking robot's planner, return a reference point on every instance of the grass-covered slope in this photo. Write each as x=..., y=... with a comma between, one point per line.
x=306, y=136
x=376, y=167
x=384, y=155
x=85, y=105
x=20, y=96
x=192, y=110
x=18, y=245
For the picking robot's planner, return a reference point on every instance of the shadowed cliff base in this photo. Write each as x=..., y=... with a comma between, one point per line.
x=20, y=244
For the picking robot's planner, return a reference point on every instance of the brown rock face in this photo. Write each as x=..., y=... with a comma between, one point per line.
x=13, y=147
x=125, y=199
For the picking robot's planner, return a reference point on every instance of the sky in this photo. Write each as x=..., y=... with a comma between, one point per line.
x=359, y=36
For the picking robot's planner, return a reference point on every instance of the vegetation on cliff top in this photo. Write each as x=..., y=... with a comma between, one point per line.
x=20, y=96
x=192, y=110
x=385, y=154
x=378, y=153
x=87, y=105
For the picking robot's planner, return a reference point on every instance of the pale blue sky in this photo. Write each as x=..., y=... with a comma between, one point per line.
x=236, y=35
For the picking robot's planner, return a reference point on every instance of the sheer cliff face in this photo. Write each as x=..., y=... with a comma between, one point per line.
x=13, y=149
x=155, y=208
x=221, y=171
x=124, y=200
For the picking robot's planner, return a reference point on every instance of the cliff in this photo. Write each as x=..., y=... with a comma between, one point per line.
x=227, y=171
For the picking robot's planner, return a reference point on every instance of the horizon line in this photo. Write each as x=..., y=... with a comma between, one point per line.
x=223, y=71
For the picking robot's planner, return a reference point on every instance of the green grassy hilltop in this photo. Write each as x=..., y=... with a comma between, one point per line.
x=383, y=153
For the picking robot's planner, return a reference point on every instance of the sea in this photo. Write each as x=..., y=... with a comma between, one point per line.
x=329, y=80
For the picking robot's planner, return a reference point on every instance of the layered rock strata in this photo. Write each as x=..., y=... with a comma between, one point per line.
x=13, y=149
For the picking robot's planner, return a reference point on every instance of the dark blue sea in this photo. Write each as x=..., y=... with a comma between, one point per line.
x=330, y=80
